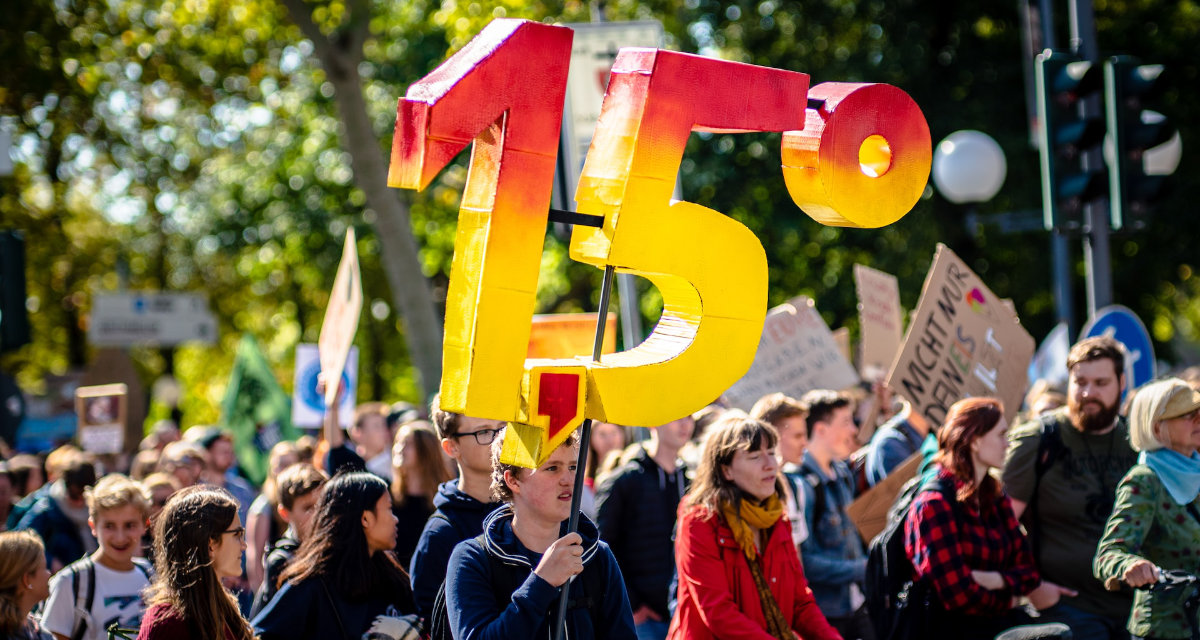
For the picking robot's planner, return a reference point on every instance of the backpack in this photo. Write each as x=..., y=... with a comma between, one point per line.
x=83, y=571
x=891, y=593
x=1050, y=449
x=507, y=578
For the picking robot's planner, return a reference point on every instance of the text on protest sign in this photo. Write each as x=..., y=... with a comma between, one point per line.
x=341, y=318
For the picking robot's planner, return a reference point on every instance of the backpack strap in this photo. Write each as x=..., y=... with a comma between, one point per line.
x=814, y=480
x=1050, y=449
x=86, y=566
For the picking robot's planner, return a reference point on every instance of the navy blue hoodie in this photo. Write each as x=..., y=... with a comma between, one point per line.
x=477, y=612
x=456, y=517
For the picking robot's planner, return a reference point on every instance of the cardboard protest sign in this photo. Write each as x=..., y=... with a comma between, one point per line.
x=796, y=353
x=842, y=338
x=101, y=413
x=869, y=511
x=341, y=317
x=880, y=320
x=566, y=335
x=962, y=342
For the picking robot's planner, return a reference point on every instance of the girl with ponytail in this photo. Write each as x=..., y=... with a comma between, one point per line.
x=24, y=582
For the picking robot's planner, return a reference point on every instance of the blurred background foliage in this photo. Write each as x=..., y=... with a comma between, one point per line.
x=194, y=145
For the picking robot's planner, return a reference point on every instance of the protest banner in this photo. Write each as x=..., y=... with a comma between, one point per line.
x=962, y=342
x=101, y=412
x=870, y=510
x=341, y=317
x=880, y=320
x=255, y=409
x=842, y=338
x=796, y=353
x=308, y=405
x=566, y=335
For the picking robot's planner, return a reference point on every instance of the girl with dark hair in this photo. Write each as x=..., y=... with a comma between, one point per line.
x=739, y=573
x=24, y=582
x=971, y=561
x=344, y=581
x=418, y=469
x=198, y=541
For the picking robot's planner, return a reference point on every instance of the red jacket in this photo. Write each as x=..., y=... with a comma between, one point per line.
x=717, y=596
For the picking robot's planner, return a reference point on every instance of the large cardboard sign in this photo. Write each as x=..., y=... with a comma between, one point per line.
x=870, y=510
x=796, y=353
x=880, y=320
x=503, y=92
x=341, y=317
x=101, y=410
x=962, y=342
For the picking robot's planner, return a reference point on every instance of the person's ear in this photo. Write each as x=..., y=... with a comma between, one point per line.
x=284, y=514
x=92, y=526
x=212, y=549
x=450, y=446
x=726, y=472
x=368, y=519
x=512, y=481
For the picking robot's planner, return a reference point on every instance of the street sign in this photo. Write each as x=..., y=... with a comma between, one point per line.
x=593, y=50
x=308, y=406
x=150, y=318
x=1124, y=326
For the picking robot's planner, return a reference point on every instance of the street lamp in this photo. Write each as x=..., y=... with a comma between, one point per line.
x=969, y=167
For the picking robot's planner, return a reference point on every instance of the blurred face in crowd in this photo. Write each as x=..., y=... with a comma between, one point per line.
x=754, y=472
x=221, y=455
x=606, y=437
x=1180, y=434
x=1094, y=394
x=839, y=432
x=6, y=491
x=379, y=525
x=988, y=450
x=301, y=514
x=673, y=435
x=545, y=493
x=466, y=447
x=119, y=532
x=371, y=435
x=158, y=499
x=227, y=550
x=38, y=582
x=793, y=439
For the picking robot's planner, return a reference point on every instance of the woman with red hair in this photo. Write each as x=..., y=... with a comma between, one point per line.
x=971, y=562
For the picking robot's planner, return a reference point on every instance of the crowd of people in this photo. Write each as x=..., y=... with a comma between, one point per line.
x=1078, y=520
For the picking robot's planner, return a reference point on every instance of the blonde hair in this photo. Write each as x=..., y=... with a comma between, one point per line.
x=1144, y=411
x=114, y=491
x=20, y=554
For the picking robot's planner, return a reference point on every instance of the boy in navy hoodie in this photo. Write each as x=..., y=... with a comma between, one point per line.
x=506, y=582
x=460, y=505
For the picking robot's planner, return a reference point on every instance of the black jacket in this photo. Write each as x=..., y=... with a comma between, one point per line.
x=635, y=510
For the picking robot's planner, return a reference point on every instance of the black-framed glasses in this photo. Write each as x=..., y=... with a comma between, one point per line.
x=239, y=533
x=483, y=437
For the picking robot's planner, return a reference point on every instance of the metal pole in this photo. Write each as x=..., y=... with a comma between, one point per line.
x=1096, y=252
x=585, y=433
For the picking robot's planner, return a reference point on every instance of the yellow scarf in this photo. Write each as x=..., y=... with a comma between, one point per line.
x=751, y=515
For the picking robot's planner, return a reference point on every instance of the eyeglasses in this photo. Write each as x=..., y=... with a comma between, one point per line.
x=239, y=533
x=483, y=436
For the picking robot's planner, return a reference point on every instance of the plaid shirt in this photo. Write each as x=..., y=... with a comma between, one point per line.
x=946, y=547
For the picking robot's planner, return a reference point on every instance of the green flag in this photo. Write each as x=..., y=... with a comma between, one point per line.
x=255, y=409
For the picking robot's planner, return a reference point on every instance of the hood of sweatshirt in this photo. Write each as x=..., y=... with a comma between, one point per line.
x=501, y=542
x=449, y=498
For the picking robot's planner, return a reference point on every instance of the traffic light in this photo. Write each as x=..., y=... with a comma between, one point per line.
x=1128, y=86
x=1064, y=83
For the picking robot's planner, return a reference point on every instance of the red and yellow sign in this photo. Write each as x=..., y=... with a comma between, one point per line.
x=861, y=160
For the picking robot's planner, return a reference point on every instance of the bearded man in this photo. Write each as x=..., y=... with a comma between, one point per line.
x=1061, y=472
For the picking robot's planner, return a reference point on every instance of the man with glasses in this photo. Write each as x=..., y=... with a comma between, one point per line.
x=460, y=505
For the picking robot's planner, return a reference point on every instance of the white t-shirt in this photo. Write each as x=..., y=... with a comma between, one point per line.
x=118, y=598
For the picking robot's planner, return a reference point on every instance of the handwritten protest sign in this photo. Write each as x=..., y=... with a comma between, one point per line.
x=962, y=342
x=880, y=319
x=796, y=353
x=101, y=410
x=566, y=335
x=341, y=317
x=870, y=510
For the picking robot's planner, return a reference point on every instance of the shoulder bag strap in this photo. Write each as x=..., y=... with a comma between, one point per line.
x=336, y=614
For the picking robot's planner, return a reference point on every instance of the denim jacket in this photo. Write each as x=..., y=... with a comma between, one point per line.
x=833, y=554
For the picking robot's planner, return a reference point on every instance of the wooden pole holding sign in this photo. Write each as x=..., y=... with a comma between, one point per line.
x=341, y=318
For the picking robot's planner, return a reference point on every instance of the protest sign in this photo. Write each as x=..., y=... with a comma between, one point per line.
x=341, y=317
x=255, y=409
x=870, y=510
x=880, y=320
x=566, y=335
x=842, y=338
x=308, y=406
x=962, y=342
x=796, y=353
x=101, y=413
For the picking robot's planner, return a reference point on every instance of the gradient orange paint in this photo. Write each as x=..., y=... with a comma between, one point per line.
x=826, y=164
x=505, y=206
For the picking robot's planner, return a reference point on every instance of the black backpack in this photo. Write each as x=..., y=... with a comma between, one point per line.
x=889, y=588
x=507, y=578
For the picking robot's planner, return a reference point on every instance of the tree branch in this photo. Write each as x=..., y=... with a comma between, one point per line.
x=359, y=29
x=301, y=15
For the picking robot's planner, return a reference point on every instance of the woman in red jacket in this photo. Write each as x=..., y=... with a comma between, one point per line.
x=739, y=573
